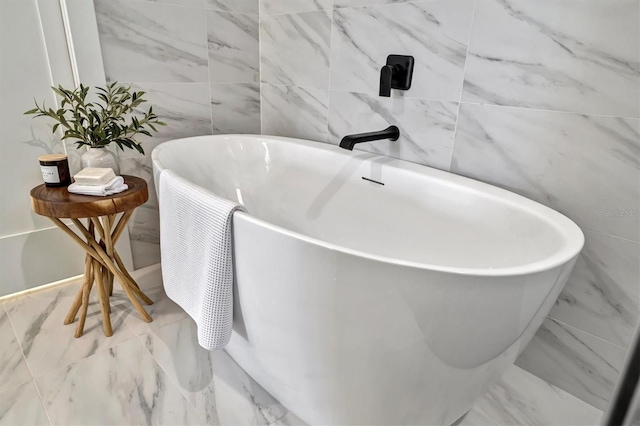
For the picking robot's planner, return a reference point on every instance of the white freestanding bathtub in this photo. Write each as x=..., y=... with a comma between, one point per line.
x=371, y=290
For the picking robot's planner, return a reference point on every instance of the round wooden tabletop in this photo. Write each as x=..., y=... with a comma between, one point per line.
x=60, y=203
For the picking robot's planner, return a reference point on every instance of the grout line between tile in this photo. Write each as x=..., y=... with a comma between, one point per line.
x=280, y=418
x=465, y=103
x=171, y=379
x=100, y=352
x=24, y=358
x=331, y=14
x=588, y=114
x=297, y=13
x=464, y=73
x=557, y=389
x=206, y=35
x=186, y=6
x=303, y=87
x=260, y=66
x=584, y=332
x=492, y=422
x=584, y=228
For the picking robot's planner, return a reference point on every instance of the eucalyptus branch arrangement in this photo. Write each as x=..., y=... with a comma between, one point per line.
x=97, y=124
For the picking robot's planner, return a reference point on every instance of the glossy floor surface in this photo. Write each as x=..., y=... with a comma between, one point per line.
x=157, y=374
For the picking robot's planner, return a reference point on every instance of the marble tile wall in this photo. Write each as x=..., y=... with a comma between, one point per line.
x=198, y=61
x=537, y=96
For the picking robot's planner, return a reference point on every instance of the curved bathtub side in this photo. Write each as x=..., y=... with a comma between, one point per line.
x=341, y=339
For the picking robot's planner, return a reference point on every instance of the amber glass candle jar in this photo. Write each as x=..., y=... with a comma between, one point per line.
x=55, y=170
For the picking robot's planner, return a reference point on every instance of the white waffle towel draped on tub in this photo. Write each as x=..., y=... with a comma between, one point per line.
x=197, y=255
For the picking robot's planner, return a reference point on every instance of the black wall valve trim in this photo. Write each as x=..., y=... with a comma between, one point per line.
x=396, y=74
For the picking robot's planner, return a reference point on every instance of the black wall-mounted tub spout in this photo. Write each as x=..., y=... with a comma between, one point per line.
x=391, y=132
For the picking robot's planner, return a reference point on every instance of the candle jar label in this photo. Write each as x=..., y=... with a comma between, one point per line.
x=50, y=174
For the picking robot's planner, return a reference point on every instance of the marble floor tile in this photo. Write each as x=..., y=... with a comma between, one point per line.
x=235, y=108
x=581, y=364
x=47, y=343
x=234, y=49
x=520, y=398
x=529, y=54
x=21, y=405
x=210, y=380
x=165, y=377
x=147, y=41
x=295, y=112
x=586, y=167
x=295, y=49
x=435, y=33
x=602, y=295
x=123, y=385
x=163, y=311
x=426, y=127
x=13, y=368
x=277, y=7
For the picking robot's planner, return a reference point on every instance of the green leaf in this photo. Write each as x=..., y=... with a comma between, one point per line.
x=60, y=93
x=116, y=117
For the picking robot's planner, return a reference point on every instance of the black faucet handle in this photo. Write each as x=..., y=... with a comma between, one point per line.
x=396, y=74
x=386, y=77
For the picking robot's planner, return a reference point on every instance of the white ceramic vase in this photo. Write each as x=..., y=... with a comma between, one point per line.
x=100, y=157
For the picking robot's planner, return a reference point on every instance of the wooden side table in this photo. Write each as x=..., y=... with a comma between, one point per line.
x=102, y=262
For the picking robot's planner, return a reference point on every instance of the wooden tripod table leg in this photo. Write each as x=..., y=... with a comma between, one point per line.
x=77, y=302
x=108, y=262
x=86, y=291
x=102, y=264
x=107, y=243
x=104, y=299
x=106, y=239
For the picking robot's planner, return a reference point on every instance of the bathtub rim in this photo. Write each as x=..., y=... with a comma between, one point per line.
x=566, y=227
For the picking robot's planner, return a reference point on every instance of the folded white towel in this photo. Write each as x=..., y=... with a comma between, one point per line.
x=197, y=255
x=115, y=186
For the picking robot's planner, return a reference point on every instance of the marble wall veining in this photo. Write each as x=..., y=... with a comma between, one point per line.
x=536, y=96
x=198, y=61
x=577, y=55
